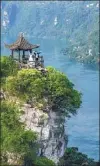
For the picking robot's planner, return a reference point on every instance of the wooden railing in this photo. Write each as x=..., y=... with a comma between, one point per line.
x=37, y=61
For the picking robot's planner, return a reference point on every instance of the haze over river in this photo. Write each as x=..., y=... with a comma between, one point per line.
x=83, y=129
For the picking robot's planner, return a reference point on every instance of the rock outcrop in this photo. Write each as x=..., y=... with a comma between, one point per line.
x=50, y=128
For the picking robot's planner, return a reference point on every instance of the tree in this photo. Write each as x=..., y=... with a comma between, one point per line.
x=72, y=157
x=21, y=144
x=43, y=161
x=28, y=84
x=8, y=66
x=61, y=93
x=15, y=139
x=53, y=89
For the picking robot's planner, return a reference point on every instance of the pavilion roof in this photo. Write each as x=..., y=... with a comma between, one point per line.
x=22, y=44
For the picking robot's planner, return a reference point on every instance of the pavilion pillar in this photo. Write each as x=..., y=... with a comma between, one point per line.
x=31, y=51
x=23, y=53
x=23, y=56
x=19, y=55
x=12, y=54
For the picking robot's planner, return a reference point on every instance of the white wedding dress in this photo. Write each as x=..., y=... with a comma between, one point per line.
x=31, y=61
x=30, y=58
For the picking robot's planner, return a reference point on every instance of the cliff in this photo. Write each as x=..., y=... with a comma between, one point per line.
x=50, y=129
x=33, y=114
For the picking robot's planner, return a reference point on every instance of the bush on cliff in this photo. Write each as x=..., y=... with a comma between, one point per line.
x=28, y=84
x=62, y=95
x=17, y=142
x=43, y=161
x=74, y=158
x=8, y=66
x=15, y=139
x=53, y=89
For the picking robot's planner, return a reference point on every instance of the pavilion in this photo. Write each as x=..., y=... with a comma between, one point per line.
x=21, y=45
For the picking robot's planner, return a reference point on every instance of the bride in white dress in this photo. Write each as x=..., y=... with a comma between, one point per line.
x=31, y=60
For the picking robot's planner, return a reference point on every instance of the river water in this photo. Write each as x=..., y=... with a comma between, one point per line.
x=83, y=129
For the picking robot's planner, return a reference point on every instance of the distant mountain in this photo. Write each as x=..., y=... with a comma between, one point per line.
x=77, y=21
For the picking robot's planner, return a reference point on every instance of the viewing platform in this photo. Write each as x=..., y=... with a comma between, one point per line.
x=25, y=56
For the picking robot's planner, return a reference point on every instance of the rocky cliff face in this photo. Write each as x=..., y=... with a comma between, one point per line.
x=50, y=129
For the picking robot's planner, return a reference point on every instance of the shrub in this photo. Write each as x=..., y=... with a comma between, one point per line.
x=28, y=84
x=54, y=89
x=74, y=158
x=43, y=161
x=8, y=66
x=14, y=138
x=62, y=95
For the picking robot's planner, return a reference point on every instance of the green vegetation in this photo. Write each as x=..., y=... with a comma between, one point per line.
x=74, y=158
x=83, y=43
x=43, y=161
x=27, y=84
x=30, y=85
x=8, y=66
x=84, y=49
x=62, y=95
x=14, y=139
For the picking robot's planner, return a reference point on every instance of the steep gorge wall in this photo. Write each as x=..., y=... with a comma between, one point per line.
x=50, y=129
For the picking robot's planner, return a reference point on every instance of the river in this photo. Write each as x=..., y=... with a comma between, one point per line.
x=83, y=129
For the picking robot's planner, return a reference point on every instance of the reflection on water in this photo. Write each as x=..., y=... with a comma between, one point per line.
x=83, y=129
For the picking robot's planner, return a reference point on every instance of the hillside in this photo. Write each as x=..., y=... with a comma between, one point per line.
x=77, y=21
